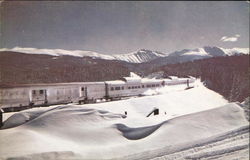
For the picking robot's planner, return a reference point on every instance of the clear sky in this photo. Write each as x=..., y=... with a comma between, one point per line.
x=122, y=27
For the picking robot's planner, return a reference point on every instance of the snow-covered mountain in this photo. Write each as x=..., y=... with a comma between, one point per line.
x=139, y=56
x=234, y=51
x=186, y=55
x=60, y=52
x=210, y=52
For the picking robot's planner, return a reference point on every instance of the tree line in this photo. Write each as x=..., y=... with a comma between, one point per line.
x=228, y=75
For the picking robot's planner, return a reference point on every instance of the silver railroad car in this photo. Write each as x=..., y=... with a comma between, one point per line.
x=129, y=86
x=18, y=96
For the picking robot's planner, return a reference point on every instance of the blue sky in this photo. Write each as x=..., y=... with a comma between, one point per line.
x=123, y=26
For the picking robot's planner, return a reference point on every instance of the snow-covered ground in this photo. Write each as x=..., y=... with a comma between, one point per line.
x=192, y=124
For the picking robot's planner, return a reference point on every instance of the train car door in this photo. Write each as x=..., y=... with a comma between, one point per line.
x=84, y=92
x=106, y=91
x=39, y=96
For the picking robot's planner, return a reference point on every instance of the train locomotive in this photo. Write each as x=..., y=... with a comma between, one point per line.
x=18, y=96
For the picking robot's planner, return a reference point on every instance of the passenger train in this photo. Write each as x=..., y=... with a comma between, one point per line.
x=19, y=96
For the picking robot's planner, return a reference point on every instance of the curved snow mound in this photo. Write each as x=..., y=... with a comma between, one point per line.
x=99, y=134
x=136, y=133
x=211, y=119
x=69, y=115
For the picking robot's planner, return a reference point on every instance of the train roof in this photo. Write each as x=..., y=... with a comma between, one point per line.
x=47, y=84
x=131, y=79
x=178, y=79
x=150, y=80
x=115, y=82
x=123, y=80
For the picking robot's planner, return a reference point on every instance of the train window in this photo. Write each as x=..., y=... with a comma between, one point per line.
x=112, y=88
x=142, y=86
x=148, y=86
x=117, y=88
x=129, y=87
x=33, y=92
x=139, y=86
x=133, y=87
x=153, y=85
x=41, y=91
x=82, y=88
x=122, y=88
x=157, y=85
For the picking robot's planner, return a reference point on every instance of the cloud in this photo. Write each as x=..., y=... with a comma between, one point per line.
x=230, y=39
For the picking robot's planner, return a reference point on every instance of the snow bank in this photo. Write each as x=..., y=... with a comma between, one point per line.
x=98, y=131
x=99, y=134
x=174, y=100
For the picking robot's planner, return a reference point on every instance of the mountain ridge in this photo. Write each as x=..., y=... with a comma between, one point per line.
x=140, y=56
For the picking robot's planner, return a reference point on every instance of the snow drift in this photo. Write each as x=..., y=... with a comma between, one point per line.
x=103, y=131
x=95, y=134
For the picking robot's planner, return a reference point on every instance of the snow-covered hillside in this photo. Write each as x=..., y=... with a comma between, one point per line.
x=191, y=123
x=134, y=57
x=139, y=56
x=59, y=52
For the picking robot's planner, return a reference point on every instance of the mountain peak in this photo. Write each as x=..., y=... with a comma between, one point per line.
x=214, y=51
x=140, y=56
